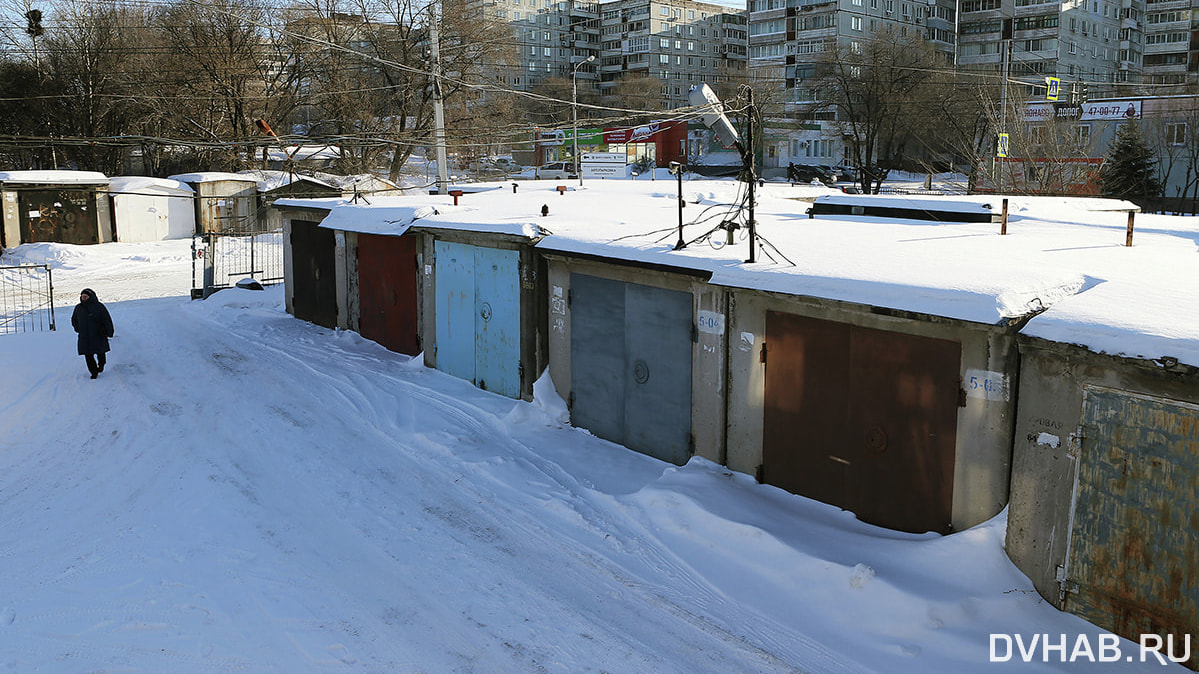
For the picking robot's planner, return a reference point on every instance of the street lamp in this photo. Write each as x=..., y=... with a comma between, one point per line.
x=574, y=113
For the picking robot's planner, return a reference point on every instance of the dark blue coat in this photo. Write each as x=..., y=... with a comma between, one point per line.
x=94, y=325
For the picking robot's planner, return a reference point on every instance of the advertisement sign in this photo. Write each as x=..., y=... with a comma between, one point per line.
x=1111, y=110
x=640, y=134
x=604, y=165
x=586, y=136
x=1047, y=112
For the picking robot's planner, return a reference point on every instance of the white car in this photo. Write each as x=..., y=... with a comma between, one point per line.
x=562, y=170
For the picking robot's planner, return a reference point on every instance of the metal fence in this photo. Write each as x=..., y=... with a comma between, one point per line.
x=221, y=259
x=26, y=299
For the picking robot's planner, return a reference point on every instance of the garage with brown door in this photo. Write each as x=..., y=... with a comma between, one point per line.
x=863, y=419
x=902, y=418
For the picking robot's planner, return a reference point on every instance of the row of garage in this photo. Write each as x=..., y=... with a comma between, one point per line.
x=912, y=421
x=854, y=407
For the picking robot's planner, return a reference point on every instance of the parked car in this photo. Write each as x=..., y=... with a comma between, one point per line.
x=562, y=170
x=806, y=173
x=495, y=165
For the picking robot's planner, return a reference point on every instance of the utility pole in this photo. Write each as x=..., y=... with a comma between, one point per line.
x=443, y=176
x=1007, y=65
x=748, y=160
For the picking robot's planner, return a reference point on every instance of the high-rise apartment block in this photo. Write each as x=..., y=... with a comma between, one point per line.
x=678, y=42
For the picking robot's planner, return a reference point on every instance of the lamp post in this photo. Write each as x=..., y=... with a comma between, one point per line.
x=574, y=113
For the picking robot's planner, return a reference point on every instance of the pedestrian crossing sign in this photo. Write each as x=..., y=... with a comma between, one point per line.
x=1001, y=149
x=1052, y=86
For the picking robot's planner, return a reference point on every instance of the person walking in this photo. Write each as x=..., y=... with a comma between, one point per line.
x=94, y=325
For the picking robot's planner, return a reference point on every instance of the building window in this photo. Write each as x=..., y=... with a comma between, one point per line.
x=855, y=23
x=1082, y=134
x=1176, y=134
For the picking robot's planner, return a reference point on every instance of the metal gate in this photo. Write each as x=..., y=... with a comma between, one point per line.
x=221, y=259
x=387, y=296
x=478, y=315
x=862, y=419
x=630, y=356
x=26, y=299
x=314, y=276
x=1133, y=556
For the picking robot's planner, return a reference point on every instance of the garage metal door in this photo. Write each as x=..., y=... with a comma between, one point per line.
x=62, y=216
x=314, y=296
x=862, y=419
x=1134, y=549
x=478, y=315
x=631, y=365
x=387, y=298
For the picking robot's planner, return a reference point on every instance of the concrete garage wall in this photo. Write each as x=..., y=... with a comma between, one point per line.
x=984, y=424
x=707, y=369
x=1105, y=487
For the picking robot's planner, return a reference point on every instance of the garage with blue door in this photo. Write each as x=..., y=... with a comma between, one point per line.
x=477, y=306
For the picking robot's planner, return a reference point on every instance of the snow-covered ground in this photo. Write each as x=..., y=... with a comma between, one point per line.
x=243, y=491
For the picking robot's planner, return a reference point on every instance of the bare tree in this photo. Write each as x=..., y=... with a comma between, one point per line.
x=92, y=62
x=227, y=70
x=879, y=90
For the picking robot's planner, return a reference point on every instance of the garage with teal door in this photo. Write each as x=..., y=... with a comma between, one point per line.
x=478, y=316
x=630, y=355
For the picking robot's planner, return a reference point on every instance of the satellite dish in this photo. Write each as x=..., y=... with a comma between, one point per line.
x=715, y=119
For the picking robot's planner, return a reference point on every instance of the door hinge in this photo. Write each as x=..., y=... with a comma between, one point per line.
x=694, y=333
x=520, y=372
x=961, y=397
x=691, y=444
x=760, y=473
x=569, y=295
x=570, y=401
x=762, y=356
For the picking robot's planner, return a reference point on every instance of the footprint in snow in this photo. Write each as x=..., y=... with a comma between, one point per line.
x=7, y=616
x=862, y=574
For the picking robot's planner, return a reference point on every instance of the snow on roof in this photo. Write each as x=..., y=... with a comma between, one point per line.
x=390, y=215
x=362, y=180
x=211, y=177
x=54, y=177
x=304, y=152
x=136, y=184
x=322, y=204
x=1061, y=256
x=272, y=180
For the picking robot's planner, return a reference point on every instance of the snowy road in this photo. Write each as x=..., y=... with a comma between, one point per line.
x=242, y=491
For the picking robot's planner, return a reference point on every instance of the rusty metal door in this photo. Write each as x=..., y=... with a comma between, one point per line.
x=314, y=296
x=387, y=299
x=60, y=216
x=862, y=419
x=631, y=365
x=1133, y=563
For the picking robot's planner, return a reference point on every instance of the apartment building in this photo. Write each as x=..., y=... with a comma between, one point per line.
x=679, y=42
x=787, y=38
x=1091, y=45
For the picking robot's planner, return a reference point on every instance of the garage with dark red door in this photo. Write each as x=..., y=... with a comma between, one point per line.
x=387, y=291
